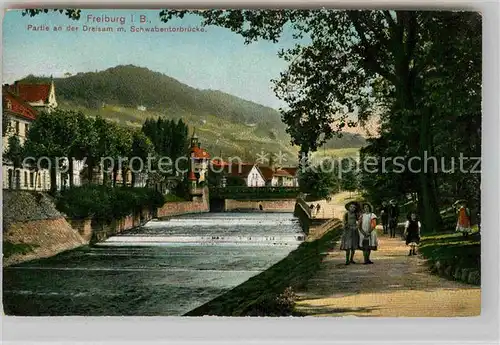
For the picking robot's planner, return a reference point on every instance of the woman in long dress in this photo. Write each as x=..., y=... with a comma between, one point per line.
x=368, y=239
x=350, y=236
x=463, y=222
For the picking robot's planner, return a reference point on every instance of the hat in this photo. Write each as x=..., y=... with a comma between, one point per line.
x=350, y=203
x=393, y=201
x=459, y=202
x=369, y=205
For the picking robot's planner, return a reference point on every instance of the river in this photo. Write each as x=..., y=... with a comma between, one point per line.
x=163, y=268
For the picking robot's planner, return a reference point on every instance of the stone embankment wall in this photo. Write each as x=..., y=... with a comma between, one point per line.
x=32, y=222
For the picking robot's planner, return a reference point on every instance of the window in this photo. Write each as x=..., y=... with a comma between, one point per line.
x=26, y=129
x=16, y=126
x=32, y=179
x=9, y=105
x=39, y=180
x=26, y=179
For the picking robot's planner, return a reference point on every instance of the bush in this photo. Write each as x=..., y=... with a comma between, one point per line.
x=275, y=305
x=107, y=203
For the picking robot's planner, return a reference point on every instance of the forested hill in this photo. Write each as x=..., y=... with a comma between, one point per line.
x=226, y=123
x=133, y=86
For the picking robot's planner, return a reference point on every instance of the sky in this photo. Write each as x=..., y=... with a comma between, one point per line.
x=215, y=59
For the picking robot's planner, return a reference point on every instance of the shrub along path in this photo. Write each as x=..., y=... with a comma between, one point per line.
x=395, y=285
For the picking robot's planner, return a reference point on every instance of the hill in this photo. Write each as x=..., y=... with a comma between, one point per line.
x=225, y=123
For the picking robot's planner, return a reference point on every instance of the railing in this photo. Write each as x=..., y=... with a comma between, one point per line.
x=254, y=192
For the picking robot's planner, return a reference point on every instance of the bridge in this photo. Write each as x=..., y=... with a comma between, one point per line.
x=267, y=199
x=253, y=193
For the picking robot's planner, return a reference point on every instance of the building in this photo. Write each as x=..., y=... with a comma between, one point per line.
x=280, y=177
x=20, y=115
x=200, y=159
x=42, y=97
x=22, y=102
x=249, y=173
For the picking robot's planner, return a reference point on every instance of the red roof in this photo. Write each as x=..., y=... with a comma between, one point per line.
x=32, y=92
x=17, y=105
x=267, y=172
x=291, y=171
x=238, y=170
x=199, y=153
x=282, y=172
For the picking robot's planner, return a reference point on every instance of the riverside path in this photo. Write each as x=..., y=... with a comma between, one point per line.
x=395, y=285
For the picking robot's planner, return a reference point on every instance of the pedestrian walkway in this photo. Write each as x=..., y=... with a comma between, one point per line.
x=395, y=285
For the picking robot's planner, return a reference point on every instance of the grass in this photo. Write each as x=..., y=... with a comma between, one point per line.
x=453, y=249
x=337, y=153
x=10, y=248
x=293, y=271
x=173, y=198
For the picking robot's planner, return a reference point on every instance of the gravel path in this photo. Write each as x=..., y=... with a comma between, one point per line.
x=395, y=285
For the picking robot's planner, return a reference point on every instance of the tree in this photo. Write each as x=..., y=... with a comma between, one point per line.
x=319, y=182
x=142, y=148
x=14, y=154
x=349, y=179
x=51, y=137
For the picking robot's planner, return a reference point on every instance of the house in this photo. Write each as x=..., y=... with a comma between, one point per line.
x=22, y=102
x=249, y=173
x=42, y=97
x=280, y=177
x=20, y=114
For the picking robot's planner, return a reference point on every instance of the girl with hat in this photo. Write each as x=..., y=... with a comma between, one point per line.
x=368, y=240
x=350, y=237
x=412, y=232
x=463, y=222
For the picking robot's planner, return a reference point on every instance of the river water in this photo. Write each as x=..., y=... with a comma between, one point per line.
x=164, y=268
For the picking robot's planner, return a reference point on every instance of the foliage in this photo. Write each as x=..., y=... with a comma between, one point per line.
x=169, y=139
x=319, y=182
x=272, y=305
x=15, y=152
x=10, y=248
x=452, y=250
x=106, y=203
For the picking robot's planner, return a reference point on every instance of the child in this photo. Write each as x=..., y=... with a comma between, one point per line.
x=368, y=240
x=412, y=233
x=350, y=238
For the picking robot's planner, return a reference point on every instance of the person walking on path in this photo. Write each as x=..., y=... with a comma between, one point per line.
x=368, y=240
x=384, y=215
x=463, y=222
x=393, y=218
x=350, y=236
x=412, y=233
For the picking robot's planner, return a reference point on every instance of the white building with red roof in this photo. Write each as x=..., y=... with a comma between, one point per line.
x=21, y=103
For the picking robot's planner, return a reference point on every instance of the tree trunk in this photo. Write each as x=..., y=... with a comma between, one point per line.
x=132, y=183
x=90, y=171
x=124, y=177
x=431, y=217
x=70, y=171
x=115, y=173
x=53, y=179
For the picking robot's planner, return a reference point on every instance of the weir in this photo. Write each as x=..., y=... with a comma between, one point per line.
x=166, y=267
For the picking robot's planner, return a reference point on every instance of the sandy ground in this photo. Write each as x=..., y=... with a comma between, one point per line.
x=395, y=285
